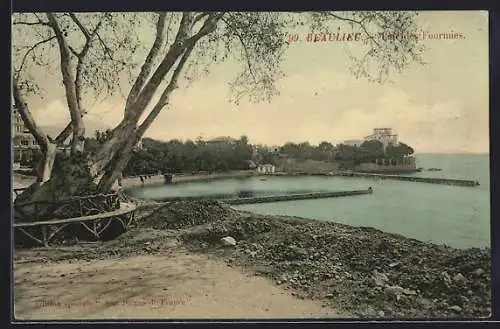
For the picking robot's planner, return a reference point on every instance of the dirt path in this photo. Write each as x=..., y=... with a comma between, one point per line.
x=174, y=285
x=19, y=181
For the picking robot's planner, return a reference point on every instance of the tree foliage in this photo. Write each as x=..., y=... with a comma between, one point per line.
x=399, y=150
x=92, y=52
x=370, y=151
x=176, y=156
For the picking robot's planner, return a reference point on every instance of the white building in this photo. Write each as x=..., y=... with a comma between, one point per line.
x=266, y=169
x=383, y=135
x=353, y=142
x=23, y=143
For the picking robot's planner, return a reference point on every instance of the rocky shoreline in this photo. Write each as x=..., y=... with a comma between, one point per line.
x=362, y=271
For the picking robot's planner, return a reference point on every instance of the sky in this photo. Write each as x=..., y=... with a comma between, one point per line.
x=440, y=107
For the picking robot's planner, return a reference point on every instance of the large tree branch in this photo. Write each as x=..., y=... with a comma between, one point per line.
x=80, y=26
x=199, y=17
x=122, y=133
x=29, y=51
x=164, y=98
x=37, y=23
x=135, y=109
x=31, y=23
x=64, y=134
x=69, y=86
x=89, y=36
x=44, y=168
x=23, y=110
x=117, y=166
x=182, y=42
x=149, y=61
x=208, y=26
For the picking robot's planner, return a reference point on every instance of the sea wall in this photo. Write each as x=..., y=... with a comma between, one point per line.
x=232, y=199
x=310, y=166
x=386, y=168
x=155, y=180
x=432, y=180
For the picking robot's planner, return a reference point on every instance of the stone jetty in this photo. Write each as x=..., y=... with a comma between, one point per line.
x=294, y=197
x=432, y=180
x=232, y=199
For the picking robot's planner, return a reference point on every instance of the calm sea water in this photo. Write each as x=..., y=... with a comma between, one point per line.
x=451, y=215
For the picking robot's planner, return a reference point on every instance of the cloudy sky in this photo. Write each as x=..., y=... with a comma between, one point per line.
x=439, y=107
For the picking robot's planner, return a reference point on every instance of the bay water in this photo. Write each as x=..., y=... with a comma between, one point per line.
x=452, y=215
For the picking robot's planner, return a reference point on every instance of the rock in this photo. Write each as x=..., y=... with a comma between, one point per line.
x=463, y=299
x=455, y=308
x=478, y=272
x=228, y=241
x=394, y=290
x=379, y=279
x=409, y=292
x=446, y=278
x=284, y=246
x=424, y=302
x=460, y=279
x=297, y=252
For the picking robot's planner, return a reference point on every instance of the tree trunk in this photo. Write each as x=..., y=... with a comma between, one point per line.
x=47, y=163
x=69, y=87
x=120, y=159
x=118, y=164
x=119, y=137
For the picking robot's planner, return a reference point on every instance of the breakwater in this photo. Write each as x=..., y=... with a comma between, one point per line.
x=432, y=180
x=294, y=197
x=233, y=199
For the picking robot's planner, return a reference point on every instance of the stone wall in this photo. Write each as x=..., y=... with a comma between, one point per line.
x=406, y=164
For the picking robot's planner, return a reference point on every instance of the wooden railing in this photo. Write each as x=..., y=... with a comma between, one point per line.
x=79, y=206
x=91, y=217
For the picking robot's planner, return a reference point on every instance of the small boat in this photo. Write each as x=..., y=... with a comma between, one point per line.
x=434, y=169
x=263, y=179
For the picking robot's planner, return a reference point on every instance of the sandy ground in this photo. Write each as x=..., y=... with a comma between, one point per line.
x=20, y=181
x=165, y=286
